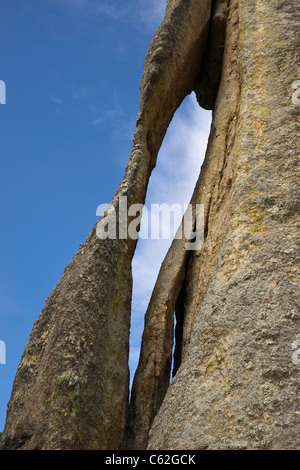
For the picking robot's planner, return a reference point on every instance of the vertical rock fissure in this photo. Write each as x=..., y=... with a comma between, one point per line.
x=216, y=187
x=152, y=377
x=211, y=68
x=179, y=322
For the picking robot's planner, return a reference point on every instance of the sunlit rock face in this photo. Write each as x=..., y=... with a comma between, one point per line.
x=235, y=380
x=238, y=381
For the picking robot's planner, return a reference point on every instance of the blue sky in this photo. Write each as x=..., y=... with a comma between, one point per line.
x=72, y=70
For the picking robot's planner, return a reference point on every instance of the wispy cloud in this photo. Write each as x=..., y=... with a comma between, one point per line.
x=81, y=93
x=143, y=15
x=151, y=13
x=56, y=100
x=121, y=125
x=109, y=10
x=93, y=8
x=172, y=182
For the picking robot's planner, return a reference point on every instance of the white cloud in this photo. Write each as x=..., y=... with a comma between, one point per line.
x=96, y=123
x=81, y=93
x=94, y=8
x=173, y=181
x=120, y=123
x=144, y=15
x=106, y=9
x=56, y=100
x=151, y=13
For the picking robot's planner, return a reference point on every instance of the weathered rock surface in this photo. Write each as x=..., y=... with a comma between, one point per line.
x=237, y=386
x=71, y=388
x=236, y=301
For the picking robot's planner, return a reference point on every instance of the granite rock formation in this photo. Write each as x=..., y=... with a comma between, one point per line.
x=236, y=301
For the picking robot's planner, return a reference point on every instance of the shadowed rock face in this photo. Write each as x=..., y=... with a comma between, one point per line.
x=236, y=301
x=210, y=72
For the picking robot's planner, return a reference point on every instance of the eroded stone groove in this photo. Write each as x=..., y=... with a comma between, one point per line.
x=179, y=318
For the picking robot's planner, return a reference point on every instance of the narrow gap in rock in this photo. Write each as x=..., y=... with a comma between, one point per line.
x=211, y=68
x=179, y=323
x=172, y=182
x=178, y=330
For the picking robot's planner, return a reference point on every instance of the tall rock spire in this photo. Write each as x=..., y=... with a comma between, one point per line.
x=72, y=385
x=236, y=380
x=237, y=386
